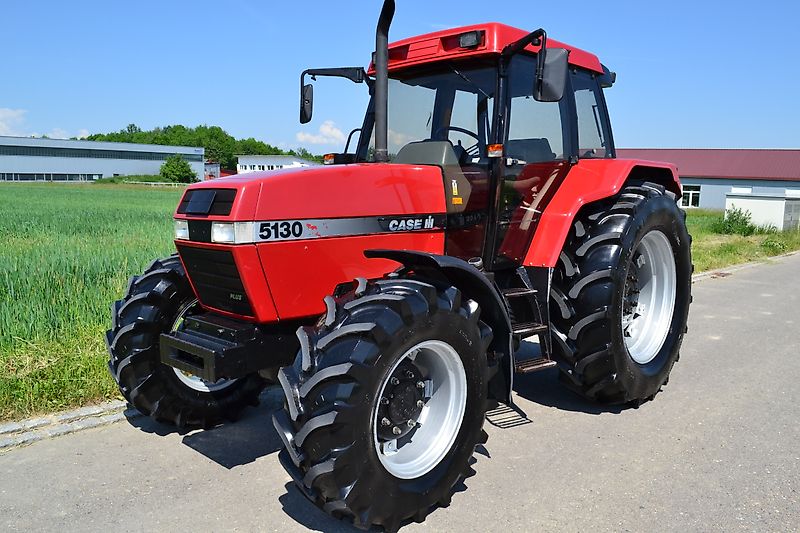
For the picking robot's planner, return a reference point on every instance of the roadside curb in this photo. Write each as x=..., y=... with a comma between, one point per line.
x=24, y=432
x=15, y=434
x=727, y=271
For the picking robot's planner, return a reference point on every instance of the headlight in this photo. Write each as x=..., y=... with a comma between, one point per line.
x=232, y=233
x=181, y=230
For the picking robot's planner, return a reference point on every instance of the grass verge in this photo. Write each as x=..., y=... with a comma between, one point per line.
x=712, y=250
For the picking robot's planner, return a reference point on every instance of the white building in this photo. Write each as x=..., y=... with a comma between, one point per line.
x=259, y=163
x=28, y=159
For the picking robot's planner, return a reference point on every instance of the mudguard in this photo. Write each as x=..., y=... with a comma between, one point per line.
x=475, y=285
x=588, y=181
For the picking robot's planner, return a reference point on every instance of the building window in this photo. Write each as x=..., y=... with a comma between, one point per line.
x=260, y=167
x=252, y=167
x=691, y=196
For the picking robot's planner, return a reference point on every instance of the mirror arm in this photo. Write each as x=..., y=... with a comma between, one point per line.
x=535, y=38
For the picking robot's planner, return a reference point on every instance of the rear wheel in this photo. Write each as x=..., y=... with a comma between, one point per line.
x=620, y=295
x=157, y=302
x=386, y=401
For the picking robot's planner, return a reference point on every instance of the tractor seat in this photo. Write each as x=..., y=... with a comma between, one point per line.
x=530, y=150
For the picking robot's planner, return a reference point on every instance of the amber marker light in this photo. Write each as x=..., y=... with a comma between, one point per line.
x=495, y=150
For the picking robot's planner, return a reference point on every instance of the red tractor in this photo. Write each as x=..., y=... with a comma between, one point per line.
x=483, y=204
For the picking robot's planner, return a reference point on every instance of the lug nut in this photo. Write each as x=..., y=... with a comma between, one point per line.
x=409, y=374
x=420, y=384
x=420, y=404
x=384, y=401
x=396, y=430
x=394, y=381
x=386, y=422
x=410, y=423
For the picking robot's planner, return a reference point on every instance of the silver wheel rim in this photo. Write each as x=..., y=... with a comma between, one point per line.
x=436, y=427
x=649, y=297
x=192, y=381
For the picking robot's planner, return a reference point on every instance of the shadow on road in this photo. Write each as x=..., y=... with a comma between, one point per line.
x=232, y=444
x=544, y=388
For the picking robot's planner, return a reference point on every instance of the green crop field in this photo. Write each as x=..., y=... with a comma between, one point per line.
x=67, y=251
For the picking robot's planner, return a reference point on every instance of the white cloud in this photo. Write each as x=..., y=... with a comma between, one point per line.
x=11, y=120
x=328, y=134
x=12, y=124
x=397, y=140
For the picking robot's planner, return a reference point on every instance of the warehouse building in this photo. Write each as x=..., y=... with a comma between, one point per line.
x=258, y=163
x=29, y=159
x=710, y=175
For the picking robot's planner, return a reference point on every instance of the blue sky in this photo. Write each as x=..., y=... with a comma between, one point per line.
x=690, y=73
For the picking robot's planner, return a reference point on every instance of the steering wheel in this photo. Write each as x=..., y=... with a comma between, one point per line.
x=472, y=151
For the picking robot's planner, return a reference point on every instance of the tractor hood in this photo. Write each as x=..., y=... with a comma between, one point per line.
x=342, y=191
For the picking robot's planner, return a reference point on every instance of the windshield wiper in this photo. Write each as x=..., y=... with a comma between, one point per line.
x=466, y=79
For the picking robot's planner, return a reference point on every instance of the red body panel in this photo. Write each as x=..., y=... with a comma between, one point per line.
x=253, y=279
x=304, y=272
x=289, y=279
x=333, y=192
x=588, y=181
x=443, y=45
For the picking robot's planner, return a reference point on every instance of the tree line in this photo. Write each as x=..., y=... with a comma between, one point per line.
x=219, y=145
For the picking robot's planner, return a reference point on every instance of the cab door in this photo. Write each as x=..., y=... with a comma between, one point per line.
x=538, y=146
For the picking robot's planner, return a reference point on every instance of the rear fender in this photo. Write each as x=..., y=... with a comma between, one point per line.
x=475, y=285
x=588, y=181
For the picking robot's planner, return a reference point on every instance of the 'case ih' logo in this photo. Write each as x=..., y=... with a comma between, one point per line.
x=407, y=224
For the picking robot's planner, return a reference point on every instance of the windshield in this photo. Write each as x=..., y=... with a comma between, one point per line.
x=449, y=103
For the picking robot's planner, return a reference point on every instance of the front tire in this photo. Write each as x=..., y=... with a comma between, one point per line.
x=620, y=296
x=386, y=401
x=156, y=303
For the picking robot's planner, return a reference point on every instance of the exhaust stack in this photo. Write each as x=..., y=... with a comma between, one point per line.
x=382, y=82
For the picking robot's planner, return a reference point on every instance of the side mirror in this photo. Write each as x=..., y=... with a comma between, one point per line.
x=306, y=104
x=551, y=75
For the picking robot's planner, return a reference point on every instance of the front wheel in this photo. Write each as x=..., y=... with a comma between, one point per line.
x=620, y=295
x=386, y=401
x=157, y=302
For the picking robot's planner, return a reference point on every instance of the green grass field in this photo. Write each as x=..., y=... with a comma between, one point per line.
x=67, y=251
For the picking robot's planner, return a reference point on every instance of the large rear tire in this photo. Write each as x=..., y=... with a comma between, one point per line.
x=620, y=296
x=156, y=303
x=386, y=401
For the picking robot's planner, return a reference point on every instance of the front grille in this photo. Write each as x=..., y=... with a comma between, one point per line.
x=216, y=279
x=221, y=203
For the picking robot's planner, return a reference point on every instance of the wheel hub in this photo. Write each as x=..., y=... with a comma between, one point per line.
x=419, y=409
x=401, y=403
x=649, y=297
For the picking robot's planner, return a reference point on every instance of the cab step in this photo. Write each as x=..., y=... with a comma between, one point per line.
x=526, y=366
x=517, y=292
x=528, y=329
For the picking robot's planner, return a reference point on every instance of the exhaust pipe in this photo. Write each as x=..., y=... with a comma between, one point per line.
x=382, y=82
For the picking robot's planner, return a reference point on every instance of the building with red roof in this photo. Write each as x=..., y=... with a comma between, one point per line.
x=708, y=175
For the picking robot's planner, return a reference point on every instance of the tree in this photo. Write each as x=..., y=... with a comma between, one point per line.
x=177, y=169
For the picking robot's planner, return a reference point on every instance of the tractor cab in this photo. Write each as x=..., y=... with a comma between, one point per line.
x=503, y=123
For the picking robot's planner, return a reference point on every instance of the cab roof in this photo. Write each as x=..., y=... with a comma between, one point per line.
x=440, y=45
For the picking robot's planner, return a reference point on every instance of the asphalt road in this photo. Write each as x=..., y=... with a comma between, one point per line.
x=718, y=450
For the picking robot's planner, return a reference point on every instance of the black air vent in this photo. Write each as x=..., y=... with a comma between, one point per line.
x=221, y=204
x=216, y=279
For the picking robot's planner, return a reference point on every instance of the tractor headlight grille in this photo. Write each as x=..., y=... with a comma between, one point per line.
x=216, y=279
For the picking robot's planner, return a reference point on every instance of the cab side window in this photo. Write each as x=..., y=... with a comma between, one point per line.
x=592, y=129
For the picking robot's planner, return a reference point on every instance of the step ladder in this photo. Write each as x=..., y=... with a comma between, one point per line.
x=526, y=329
